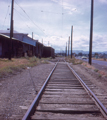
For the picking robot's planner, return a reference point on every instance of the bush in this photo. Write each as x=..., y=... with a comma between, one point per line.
x=96, y=70
x=104, y=59
x=100, y=75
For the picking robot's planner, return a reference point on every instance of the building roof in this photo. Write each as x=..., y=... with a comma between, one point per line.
x=26, y=39
x=8, y=32
x=23, y=37
x=5, y=36
x=29, y=40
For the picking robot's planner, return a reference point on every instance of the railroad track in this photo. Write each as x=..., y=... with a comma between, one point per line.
x=64, y=96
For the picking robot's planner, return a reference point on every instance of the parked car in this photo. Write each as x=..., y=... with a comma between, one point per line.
x=84, y=57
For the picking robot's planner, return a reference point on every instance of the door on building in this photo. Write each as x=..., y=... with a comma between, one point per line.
x=0, y=49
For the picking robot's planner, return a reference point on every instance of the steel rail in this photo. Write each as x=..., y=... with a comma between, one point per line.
x=35, y=102
x=97, y=101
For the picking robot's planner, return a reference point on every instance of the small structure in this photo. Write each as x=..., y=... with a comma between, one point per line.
x=48, y=52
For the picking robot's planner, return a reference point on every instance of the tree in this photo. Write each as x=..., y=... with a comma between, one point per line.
x=80, y=54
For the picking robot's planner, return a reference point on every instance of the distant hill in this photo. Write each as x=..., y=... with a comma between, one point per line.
x=79, y=51
x=105, y=52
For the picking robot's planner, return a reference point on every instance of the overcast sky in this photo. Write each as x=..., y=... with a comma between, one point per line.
x=51, y=20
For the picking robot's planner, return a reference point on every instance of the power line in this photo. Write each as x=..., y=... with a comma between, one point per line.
x=50, y=12
x=25, y=23
x=29, y=17
x=21, y=16
x=5, y=17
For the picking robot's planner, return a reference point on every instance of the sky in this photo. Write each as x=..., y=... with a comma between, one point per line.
x=51, y=21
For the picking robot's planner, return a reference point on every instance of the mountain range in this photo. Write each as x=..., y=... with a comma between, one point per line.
x=80, y=51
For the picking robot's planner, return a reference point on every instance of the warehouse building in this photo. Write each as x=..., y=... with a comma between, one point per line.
x=22, y=45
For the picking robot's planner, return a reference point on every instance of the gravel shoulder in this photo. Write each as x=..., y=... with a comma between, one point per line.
x=18, y=91
x=98, y=84
x=100, y=67
x=91, y=75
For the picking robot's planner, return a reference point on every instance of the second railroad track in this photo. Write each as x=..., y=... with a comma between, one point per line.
x=64, y=96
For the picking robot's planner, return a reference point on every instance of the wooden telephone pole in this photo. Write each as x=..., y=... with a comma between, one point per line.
x=68, y=45
x=91, y=33
x=71, y=39
x=66, y=48
x=11, y=32
x=42, y=41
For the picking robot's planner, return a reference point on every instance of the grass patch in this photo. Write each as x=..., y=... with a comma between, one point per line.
x=100, y=75
x=87, y=65
x=74, y=61
x=96, y=70
x=17, y=64
x=104, y=59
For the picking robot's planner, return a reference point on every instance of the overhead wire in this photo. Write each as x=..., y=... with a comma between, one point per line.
x=5, y=17
x=21, y=16
x=29, y=17
x=50, y=12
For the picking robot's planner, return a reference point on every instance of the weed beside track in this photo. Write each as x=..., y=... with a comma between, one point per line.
x=17, y=64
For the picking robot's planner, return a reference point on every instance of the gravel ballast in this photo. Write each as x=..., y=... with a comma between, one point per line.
x=18, y=91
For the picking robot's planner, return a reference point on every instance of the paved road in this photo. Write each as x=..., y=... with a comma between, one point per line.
x=100, y=62
x=96, y=61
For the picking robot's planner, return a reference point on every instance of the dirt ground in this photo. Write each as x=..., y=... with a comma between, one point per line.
x=18, y=91
x=91, y=75
x=98, y=81
x=100, y=67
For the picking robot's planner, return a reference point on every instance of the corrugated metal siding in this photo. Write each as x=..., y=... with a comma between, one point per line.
x=29, y=41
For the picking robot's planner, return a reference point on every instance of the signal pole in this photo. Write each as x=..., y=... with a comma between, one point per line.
x=71, y=39
x=91, y=33
x=11, y=32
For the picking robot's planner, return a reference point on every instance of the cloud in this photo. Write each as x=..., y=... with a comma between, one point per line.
x=66, y=5
x=81, y=43
x=56, y=42
x=35, y=36
x=103, y=1
x=55, y=0
x=54, y=26
x=99, y=42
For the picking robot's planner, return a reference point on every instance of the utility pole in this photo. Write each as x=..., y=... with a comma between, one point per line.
x=71, y=39
x=11, y=32
x=66, y=48
x=91, y=33
x=68, y=45
x=65, y=51
x=42, y=41
x=51, y=51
